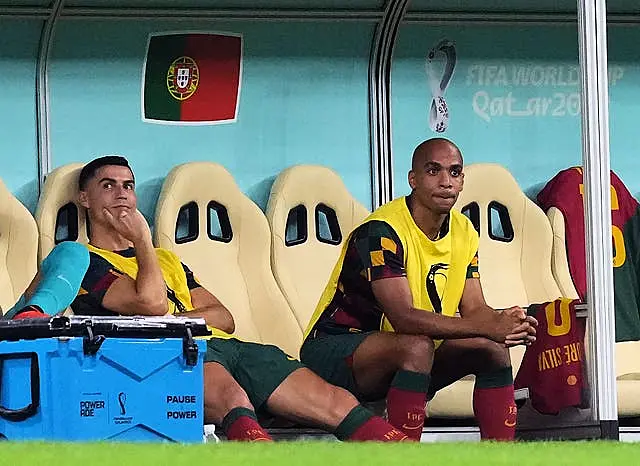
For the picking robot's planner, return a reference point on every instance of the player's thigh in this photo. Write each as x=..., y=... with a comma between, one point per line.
x=455, y=359
x=260, y=369
x=221, y=390
x=307, y=398
x=331, y=357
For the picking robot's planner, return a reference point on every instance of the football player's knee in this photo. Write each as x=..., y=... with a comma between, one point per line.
x=416, y=353
x=340, y=402
x=67, y=252
x=227, y=395
x=237, y=397
x=494, y=353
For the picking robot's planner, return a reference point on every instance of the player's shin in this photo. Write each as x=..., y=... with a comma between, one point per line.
x=407, y=402
x=494, y=405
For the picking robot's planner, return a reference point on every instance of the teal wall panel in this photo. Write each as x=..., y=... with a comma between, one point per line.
x=303, y=99
x=513, y=99
x=18, y=146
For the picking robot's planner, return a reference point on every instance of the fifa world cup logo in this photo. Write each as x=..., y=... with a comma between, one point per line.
x=122, y=399
x=438, y=78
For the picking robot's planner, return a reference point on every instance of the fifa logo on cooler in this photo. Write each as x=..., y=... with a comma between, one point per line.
x=122, y=399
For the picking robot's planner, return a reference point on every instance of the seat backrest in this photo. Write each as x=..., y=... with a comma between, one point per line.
x=627, y=360
x=559, y=259
x=224, y=238
x=311, y=213
x=515, y=238
x=18, y=248
x=59, y=216
x=562, y=198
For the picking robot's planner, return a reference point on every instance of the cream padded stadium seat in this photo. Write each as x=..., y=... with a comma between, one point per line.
x=514, y=261
x=321, y=213
x=18, y=248
x=628, y=378
x=224, y=238
x=626, y=353
x=515, y=266
x=559, y=261
x=59, y=216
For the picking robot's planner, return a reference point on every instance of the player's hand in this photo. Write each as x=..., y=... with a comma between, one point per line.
x=129, y=223
x=515, y=311
x=512, y=327
x=525, y=333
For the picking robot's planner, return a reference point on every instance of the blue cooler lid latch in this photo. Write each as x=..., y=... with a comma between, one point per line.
x=91, y=343
x=189, y=347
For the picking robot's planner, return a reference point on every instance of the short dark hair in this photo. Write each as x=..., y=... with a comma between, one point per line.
x=90, y=169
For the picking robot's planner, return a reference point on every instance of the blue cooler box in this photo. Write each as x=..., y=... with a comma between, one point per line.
x=82, y=379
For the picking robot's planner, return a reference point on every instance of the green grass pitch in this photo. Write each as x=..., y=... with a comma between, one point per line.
x=321, y=454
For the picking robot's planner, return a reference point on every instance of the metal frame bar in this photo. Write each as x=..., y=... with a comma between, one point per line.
x=507, y=19
x=380, y=102
x=42, y=93
x=18, y=12
x=376, y=111
x=430, y=17
x=592, y=39
x=221, y=14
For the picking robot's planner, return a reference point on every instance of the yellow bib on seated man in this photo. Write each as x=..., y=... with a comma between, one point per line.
x=435, y=286
x=179, y=297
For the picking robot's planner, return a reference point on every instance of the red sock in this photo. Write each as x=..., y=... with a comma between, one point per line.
x=496, y=412
x=242, y=424
x=361, y=425
x=407, y=402
x=377, y=429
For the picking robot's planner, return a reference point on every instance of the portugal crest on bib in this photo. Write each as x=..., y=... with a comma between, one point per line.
x=182, y=78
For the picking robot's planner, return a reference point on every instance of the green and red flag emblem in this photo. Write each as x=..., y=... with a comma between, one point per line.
x=192, y=78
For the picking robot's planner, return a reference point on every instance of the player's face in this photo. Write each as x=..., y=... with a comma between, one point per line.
x=111, y=188
x=438, y=182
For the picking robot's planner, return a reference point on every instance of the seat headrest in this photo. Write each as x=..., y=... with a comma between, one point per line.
x=311, y=185
x=515, y=238
x=59, y=215
x=311, y=213
x=203, y=216
x=18, y=248
x=489, y=182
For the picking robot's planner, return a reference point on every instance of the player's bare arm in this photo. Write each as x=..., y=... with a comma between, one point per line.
x=394, y=296
x=474, y=307
x=207, y=306
x=147, y=294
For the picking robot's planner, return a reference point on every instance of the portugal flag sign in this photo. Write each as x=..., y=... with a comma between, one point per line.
x=192, y=78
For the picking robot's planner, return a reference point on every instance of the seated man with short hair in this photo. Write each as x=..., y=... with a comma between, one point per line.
x=385, y=325
x=128, y=276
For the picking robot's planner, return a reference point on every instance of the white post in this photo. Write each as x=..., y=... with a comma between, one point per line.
x=42, y=93
x=592, y=38
x=380, y=102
